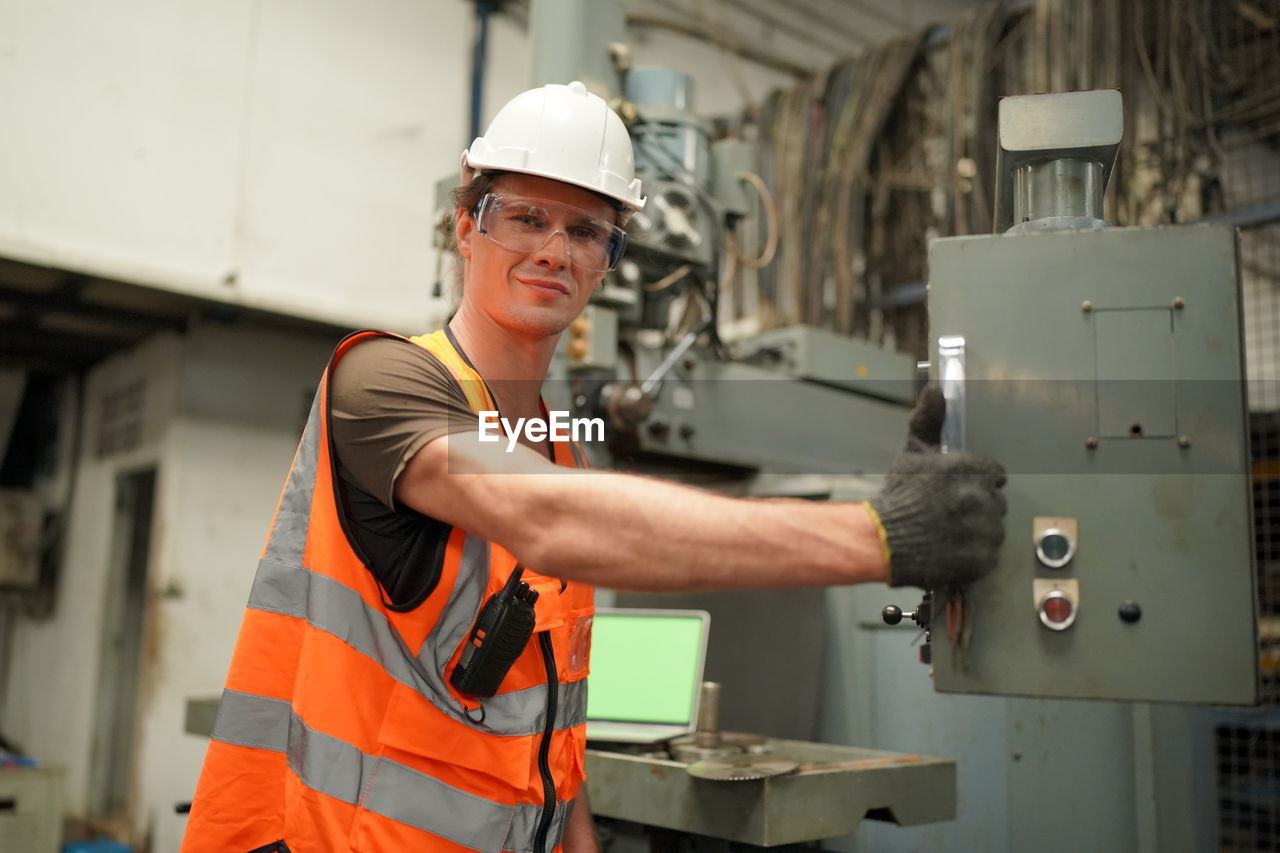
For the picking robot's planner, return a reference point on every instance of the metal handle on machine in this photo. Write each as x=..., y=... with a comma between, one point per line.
x=951, y=380
x=893, y=615
x=651, y=385
x=922, y=616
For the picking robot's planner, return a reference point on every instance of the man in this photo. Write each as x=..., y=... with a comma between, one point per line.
x=343, y=726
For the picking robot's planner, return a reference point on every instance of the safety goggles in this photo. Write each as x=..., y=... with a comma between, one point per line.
x=527, y=224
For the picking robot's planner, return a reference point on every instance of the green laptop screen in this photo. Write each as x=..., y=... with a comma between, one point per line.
x=643, y=667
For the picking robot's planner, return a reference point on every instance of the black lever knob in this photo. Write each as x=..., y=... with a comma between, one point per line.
x=892, y=614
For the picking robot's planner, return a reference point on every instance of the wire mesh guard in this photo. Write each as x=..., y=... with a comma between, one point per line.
x=1248, y=748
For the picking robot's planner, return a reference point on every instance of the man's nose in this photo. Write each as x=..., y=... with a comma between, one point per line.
x=554, y=252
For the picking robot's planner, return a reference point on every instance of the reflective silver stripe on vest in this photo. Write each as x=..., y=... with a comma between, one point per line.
x=388, y=788
x=525, y=826
x=460, y=612
x=339, y=610
x=288, y=536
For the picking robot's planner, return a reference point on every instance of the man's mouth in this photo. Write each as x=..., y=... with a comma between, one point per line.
x=544, y=284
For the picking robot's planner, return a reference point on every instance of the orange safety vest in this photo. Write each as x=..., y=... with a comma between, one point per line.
x=338, y=729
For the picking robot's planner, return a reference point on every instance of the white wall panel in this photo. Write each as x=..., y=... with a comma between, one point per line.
x=122, y=130
x=272, y=153
x=355, y=111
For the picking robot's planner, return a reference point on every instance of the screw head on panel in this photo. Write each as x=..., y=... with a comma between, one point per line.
x=1091, y=443
x=1179, y=303
x=1184, y=441
x=1086, y=306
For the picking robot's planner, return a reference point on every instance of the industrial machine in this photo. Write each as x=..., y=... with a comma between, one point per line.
x=646, y=354
x=824, y=412
x=1101, y=365
x=1104, y=367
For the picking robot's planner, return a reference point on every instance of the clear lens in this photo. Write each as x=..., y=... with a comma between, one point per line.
x=527, y=224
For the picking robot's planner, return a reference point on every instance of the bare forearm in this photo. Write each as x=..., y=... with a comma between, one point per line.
x=635, y=533
x=579, y=830
x=630, y=532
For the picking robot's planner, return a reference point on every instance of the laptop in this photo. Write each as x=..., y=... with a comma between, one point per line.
x=646, y=674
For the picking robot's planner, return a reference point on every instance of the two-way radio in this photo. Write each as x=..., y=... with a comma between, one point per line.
x=501, y=632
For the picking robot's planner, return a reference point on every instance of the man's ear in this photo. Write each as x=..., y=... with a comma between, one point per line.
x=464, y=231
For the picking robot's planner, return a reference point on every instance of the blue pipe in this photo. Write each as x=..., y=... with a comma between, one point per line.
x=1248, y=217
x=478, y=52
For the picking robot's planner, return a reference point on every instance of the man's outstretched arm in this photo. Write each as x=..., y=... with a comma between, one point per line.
x=630, y=532
x=938, y=520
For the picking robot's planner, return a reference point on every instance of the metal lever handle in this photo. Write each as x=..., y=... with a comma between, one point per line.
x=651, y=385
x=951, y=380
x=892, y=615
x=627, y=403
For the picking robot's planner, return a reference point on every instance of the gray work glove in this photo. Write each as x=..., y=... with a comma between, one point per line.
x=942, y=514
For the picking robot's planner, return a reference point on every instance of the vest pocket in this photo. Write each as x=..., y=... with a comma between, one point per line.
x=577, y=655
x=417, y=734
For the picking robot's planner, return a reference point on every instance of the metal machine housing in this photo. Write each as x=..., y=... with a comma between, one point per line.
x=1104, y=369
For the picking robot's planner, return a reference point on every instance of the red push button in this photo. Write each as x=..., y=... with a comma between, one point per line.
x=1057, y=611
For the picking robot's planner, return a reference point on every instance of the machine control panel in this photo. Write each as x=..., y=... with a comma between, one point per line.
x=1120, y=416
x=1103, y=367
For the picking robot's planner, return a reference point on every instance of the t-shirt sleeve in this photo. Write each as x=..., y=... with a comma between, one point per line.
x=387, y=399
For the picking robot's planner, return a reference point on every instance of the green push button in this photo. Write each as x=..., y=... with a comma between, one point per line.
x=1055, y=549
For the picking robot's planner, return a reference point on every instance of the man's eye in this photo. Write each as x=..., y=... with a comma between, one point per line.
x=526, y=219
x=585, y=233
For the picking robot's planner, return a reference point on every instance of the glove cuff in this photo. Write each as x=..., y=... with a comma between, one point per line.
x=885, y=550
x=909, y=542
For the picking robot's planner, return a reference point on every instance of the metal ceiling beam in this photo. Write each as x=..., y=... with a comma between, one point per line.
x=21, y=339
x=806, y=35
x=828, y=20
x=63, y=302
x=697, y=15
x=700, y=32
x=873, y=10
x=44, y=363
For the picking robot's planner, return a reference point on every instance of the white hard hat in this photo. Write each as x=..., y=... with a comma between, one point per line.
x=564, y=133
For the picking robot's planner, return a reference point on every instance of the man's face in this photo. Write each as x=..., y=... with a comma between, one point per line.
x=541, y=291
